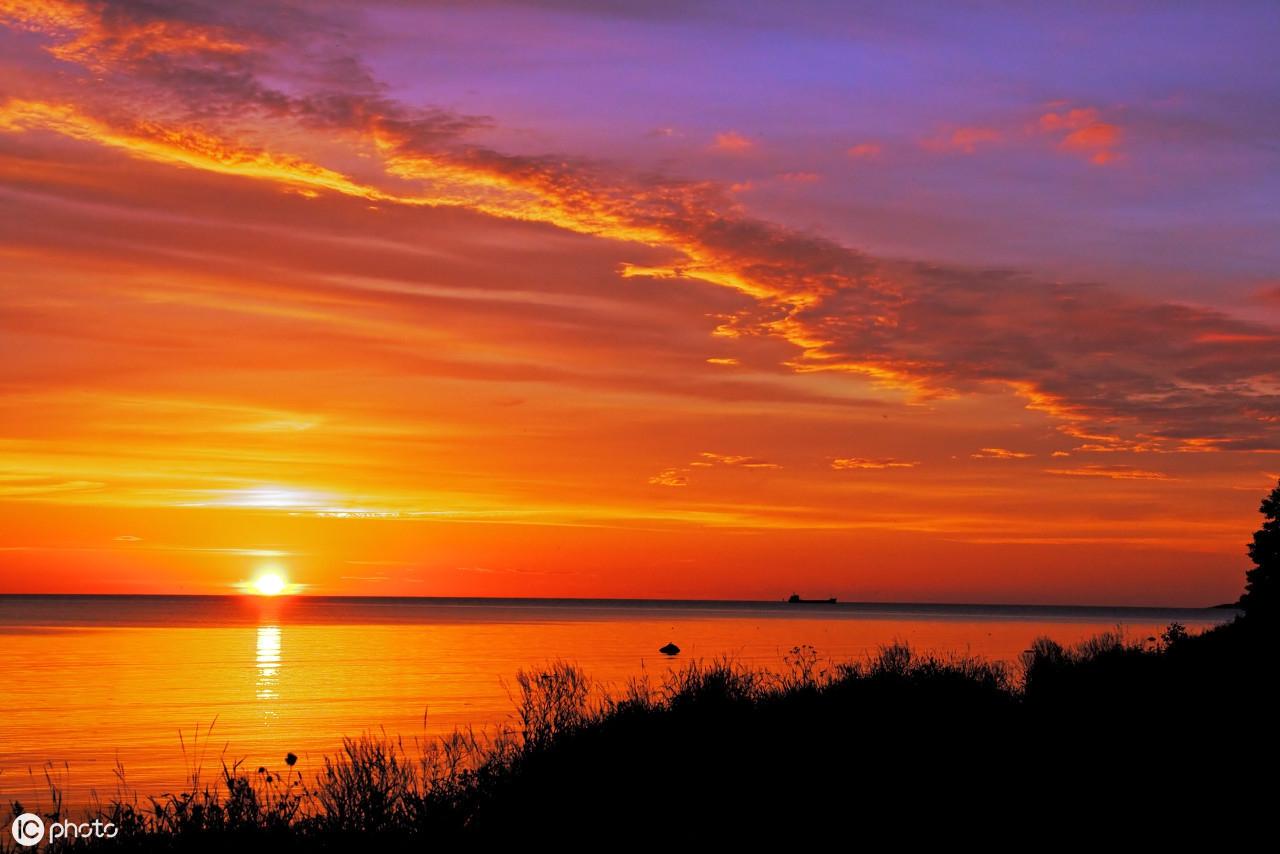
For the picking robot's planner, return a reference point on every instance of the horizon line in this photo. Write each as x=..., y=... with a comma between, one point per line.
x=624, y=600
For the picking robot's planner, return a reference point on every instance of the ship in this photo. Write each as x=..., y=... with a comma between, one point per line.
x=794, y=599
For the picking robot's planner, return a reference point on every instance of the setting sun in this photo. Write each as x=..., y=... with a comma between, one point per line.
x=269, y=584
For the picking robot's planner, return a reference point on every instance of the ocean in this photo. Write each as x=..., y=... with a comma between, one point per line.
x=112, y=695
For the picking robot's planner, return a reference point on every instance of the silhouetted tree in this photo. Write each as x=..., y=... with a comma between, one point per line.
x=1260, y=589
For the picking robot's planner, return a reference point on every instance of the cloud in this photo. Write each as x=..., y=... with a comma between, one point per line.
x=732, y=142
x=1268, y=294
x=98, y=34
x=1081, y=130
x=858, y=463
x=485, y=570
x=965, y=140
x=1113, y=472
x=1000, y=454
x=679, y=476
x=19, y=485
x=864, y=150
x=1238, y=338
x=182, y=147
x=1114, y=371
x=670, y=477
x=707, y=458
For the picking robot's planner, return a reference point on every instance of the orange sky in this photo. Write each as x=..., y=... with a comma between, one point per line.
x=338, y=334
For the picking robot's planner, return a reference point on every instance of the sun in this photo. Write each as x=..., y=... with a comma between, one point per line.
x=269, y=584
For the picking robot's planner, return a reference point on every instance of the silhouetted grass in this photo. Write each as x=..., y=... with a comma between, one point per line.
x=720, y=751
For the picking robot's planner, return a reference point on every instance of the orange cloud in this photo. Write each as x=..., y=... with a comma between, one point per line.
x=96, y=35
x=964, y=139
x=1000, y=454
x=183, y=147
x=1267, y=294
x=679, y=475
x=1083, y=131
x=864, y=150
x=732, y=142
x=669, y=477
x=1236, y=338
x=859, y=463
x=838, y=308
x=1112, y=472
x=708, y=458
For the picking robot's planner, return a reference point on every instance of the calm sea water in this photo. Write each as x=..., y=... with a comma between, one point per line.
x=155, y=685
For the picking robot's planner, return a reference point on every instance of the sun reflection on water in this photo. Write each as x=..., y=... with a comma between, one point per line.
x=268, y=661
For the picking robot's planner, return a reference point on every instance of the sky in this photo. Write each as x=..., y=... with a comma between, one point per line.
x=950, y=302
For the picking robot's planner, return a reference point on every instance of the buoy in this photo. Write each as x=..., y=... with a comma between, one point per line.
x=670, y=649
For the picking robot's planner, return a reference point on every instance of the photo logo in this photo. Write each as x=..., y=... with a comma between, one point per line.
x=28, y=829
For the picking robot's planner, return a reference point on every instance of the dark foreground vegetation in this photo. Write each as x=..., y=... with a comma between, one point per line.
x=1142, y=738
x=915, y=746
